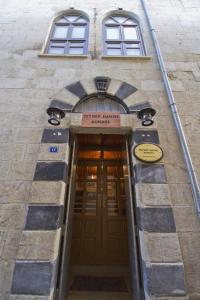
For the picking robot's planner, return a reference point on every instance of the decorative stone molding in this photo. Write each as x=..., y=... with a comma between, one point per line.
x=99, y=85
x=36, y=271
x=44, y=217
x=54, y=135
x=32, y=278
x=50, y=171
x=162, y=270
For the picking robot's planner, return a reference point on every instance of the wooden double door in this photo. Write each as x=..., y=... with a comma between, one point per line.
x=100, y=224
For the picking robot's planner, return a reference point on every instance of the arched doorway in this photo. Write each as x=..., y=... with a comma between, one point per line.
x=100, y=242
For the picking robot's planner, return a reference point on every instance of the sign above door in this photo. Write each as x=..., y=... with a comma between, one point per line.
x=101, y=119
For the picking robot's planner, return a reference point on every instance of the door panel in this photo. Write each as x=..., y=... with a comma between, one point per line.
x=100, y=224
x=114, y=216
x=85, y=237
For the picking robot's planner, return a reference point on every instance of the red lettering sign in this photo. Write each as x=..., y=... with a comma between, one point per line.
x=101, y=119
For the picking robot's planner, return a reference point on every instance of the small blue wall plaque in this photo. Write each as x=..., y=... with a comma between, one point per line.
x=53, y=149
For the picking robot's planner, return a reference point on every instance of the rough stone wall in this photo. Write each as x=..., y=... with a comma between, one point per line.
x=178, y=29
x=27, y=82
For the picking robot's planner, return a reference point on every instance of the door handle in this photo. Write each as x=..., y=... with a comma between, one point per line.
x=104, y=204
x=102, y=200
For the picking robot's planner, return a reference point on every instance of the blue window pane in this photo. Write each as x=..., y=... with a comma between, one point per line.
x=111, y=21
x=71, y=18
x=120, y=19
x=62, y=21
x=130, y=22
x=78, y=32
x=81, y=20
x=133, y=52
x=54, y=50
x=76, y=50
x=112, y=33
x=60, y=32
x=130, y=33
x=113, y=51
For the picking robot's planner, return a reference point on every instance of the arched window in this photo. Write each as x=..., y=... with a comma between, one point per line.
x=69, y=35
x=94, y=104
x=122, y=36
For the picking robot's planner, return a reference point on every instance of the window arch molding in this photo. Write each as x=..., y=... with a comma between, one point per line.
x=121, y=13
x=72, y=38
x=122, y=38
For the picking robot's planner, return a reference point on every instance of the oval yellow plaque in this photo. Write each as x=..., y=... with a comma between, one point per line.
x=148, y=152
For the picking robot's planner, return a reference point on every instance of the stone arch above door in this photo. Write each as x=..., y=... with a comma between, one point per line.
x=100, y=86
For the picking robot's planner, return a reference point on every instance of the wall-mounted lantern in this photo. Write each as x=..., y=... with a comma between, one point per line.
x=58, y=109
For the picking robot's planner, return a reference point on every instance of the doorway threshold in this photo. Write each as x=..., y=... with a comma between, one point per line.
x=100, y=283
x=74, y=295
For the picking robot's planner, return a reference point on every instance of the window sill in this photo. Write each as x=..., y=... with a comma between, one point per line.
x=132, y=57
x=63, y=55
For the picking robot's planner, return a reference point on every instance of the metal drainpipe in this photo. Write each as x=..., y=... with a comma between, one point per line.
x=175, y=115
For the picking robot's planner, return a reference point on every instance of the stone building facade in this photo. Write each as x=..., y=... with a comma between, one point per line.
x=36, y=158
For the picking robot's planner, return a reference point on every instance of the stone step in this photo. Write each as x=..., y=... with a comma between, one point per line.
x=98, y=296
